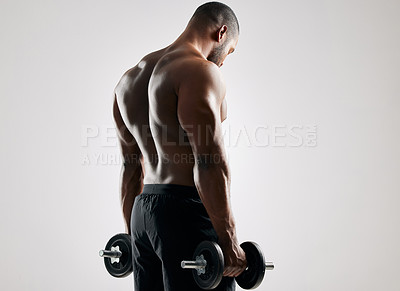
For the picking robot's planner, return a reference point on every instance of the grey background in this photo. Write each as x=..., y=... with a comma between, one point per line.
x=317, y=186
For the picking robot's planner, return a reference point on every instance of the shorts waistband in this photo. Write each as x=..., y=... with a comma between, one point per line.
x=183, y=190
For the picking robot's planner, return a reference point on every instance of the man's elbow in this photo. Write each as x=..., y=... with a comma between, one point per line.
x=210, y=161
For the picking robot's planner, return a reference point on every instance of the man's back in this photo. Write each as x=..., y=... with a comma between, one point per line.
x=147, y=98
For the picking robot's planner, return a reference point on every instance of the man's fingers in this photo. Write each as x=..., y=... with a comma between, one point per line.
x=228, y=272
x=232, y=272
x=240, y=271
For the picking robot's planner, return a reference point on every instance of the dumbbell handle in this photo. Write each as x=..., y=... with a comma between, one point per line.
x=201, y=264
x=110, y=254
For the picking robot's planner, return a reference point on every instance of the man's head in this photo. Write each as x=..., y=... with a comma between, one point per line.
x=221, y=27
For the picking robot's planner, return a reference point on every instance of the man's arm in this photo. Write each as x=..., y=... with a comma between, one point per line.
x=200, y=97
x=131, y=170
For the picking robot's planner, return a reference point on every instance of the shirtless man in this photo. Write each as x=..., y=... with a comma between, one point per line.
x=175, y=180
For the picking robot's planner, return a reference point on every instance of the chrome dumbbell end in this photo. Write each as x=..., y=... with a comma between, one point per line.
x=110, y=254
x=269, y=266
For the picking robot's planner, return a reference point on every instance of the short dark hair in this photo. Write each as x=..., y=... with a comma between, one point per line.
x=216, y=13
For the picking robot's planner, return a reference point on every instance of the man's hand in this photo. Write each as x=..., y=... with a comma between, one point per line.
x=235, y=259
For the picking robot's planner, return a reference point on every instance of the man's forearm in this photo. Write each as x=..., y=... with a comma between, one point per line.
x=213, y=182
x=131, y=186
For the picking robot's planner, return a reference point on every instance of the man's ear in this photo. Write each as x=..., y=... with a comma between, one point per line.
x=222, y=33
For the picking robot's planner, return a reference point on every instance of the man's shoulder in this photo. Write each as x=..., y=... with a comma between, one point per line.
x=197, y=69
x=141, y=71
x=198, y=64
x=200, y=75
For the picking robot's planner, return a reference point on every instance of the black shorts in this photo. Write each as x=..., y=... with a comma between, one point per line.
x=168, y=221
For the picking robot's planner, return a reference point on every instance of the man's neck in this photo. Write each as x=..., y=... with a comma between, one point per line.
x=193, y=38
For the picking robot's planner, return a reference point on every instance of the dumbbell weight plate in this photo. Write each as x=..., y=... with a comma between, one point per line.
x=212, y=253
x=252, y=277
x=122, y=268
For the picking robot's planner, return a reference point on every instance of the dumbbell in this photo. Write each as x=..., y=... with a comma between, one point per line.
x=208, y=265
x=118, y=255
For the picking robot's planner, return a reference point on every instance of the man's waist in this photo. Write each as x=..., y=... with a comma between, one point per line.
x=175, y=189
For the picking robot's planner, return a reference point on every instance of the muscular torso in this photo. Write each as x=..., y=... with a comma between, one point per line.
x=147, y=98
